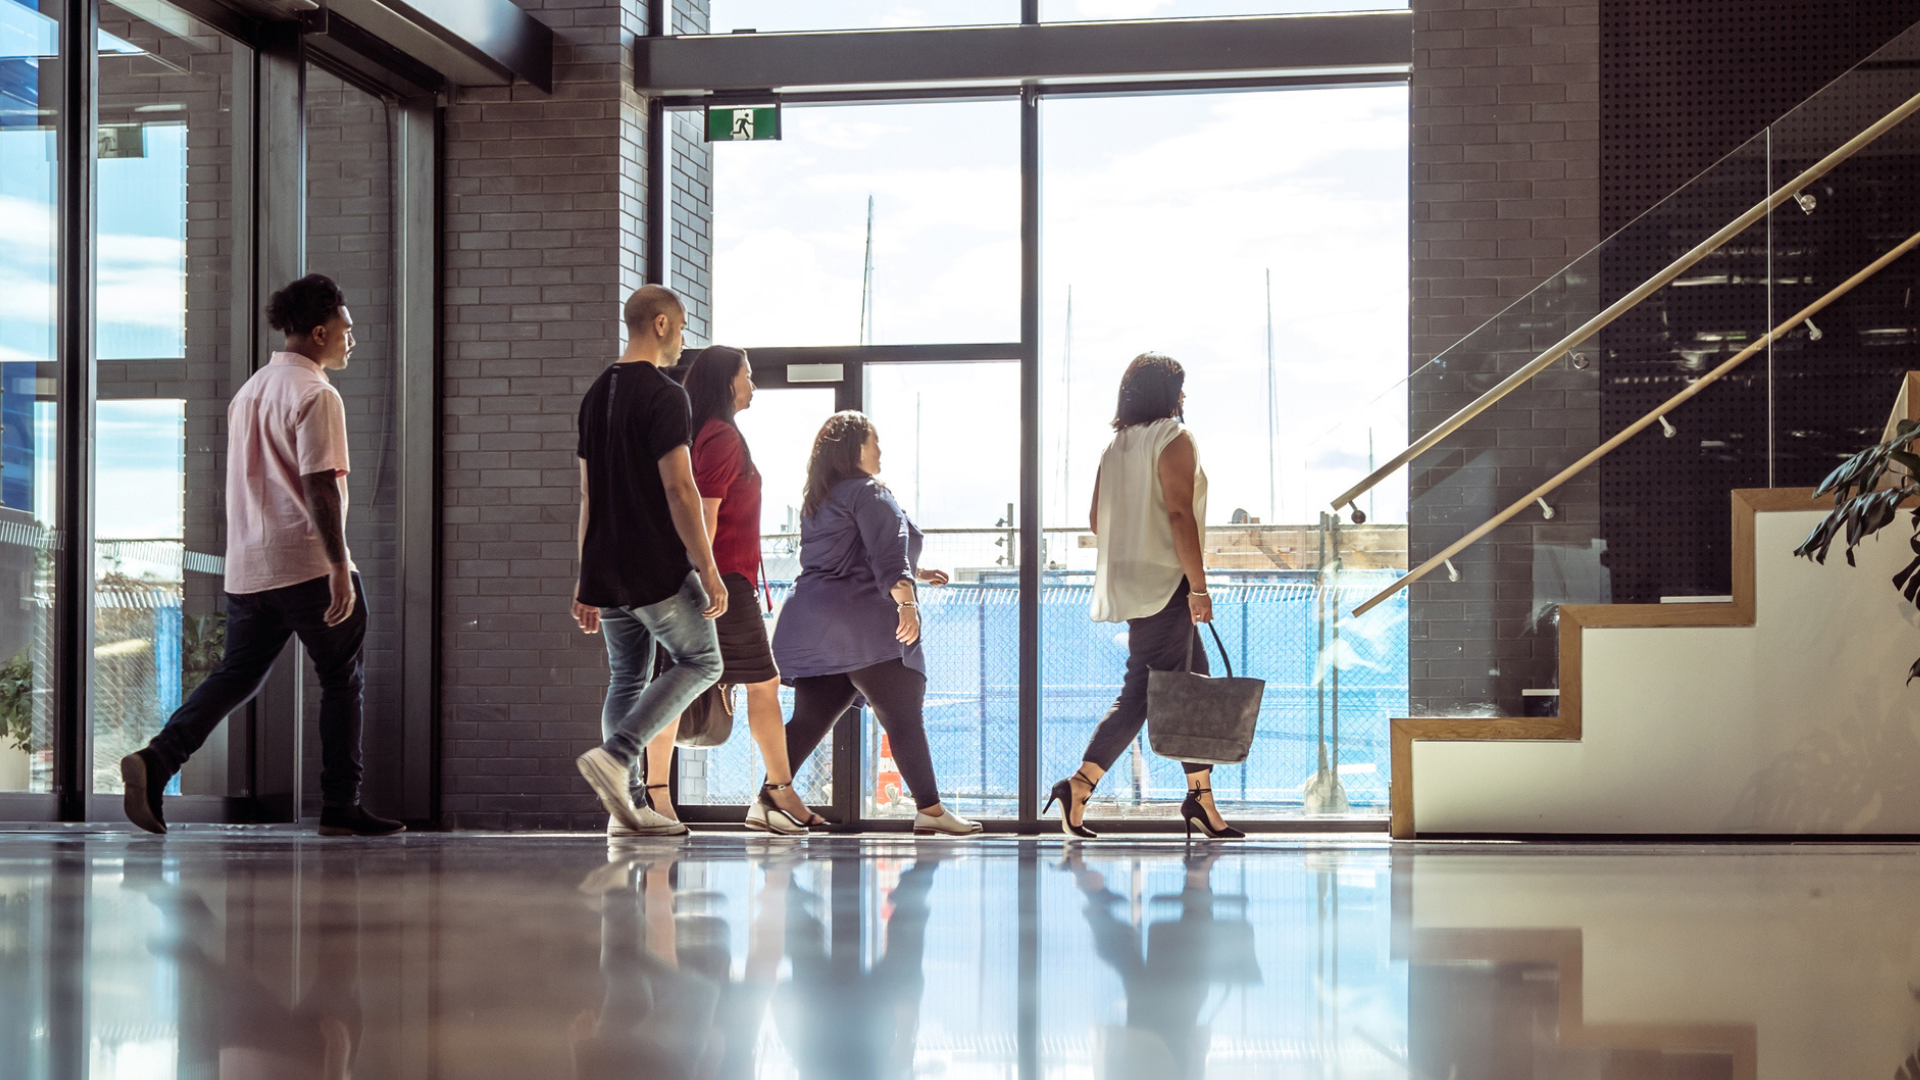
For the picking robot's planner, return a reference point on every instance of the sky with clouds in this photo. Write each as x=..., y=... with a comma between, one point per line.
x=1162, y=214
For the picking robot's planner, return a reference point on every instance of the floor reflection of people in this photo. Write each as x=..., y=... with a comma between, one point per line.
x=258, y=1037
x=1168, y=988
x=743, y=1002
x=840, y=1018
x=656, y=1019
x=672, y=1006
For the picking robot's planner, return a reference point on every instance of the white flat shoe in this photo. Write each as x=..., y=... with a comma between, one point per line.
x=946, y=823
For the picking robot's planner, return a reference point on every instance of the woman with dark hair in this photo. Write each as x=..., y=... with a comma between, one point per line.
x=719, y=384
x=1149, y=502
x=852, y=626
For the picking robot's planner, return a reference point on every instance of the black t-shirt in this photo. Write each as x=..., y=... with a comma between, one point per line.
x=631, y=418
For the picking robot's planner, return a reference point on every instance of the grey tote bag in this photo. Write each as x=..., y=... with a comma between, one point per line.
x=1204, y=720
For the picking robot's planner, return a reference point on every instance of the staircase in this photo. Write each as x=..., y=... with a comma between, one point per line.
x=1646, y=426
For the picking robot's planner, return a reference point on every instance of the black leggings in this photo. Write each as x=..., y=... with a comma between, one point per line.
x=895, y=691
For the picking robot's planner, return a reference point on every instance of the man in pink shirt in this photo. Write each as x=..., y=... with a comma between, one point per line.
x=288, y=569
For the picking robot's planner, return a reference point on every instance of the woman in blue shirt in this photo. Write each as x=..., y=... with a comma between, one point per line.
x=852, y=626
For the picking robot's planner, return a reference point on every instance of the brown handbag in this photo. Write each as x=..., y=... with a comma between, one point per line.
x=1199, y=719
x=709, y=720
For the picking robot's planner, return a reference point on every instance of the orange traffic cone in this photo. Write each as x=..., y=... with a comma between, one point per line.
x=888, y=787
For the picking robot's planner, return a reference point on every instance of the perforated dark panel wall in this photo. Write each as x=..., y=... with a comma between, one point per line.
x=1684, y=83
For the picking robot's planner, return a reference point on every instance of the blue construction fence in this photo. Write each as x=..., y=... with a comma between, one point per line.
x=1278, y=626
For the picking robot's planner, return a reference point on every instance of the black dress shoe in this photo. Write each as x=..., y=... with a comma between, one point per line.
x=355, y=821
x=143, y=779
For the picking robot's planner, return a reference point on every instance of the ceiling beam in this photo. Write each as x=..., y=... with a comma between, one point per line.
x=1012, y=55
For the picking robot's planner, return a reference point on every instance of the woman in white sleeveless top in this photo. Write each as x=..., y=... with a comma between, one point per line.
x=1149, y=501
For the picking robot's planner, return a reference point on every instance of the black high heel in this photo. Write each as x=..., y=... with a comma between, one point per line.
x=1196, y=818
x=1062, y=793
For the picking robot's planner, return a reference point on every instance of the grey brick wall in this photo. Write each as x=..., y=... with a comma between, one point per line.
x=544, y=239
x=1506, y=159
x=687, y=17
x=690, y=232
x=690, y=197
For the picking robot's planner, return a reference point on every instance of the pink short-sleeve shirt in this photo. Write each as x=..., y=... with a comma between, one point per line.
x=286, y=422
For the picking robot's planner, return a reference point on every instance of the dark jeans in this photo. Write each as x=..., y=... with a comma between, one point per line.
x=895, y=691
x=258, y=626
x=1155, y=643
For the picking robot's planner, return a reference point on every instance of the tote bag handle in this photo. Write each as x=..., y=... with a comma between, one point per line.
x=1228, y=660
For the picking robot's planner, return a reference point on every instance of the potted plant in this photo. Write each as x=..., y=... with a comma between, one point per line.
x=1867, y=491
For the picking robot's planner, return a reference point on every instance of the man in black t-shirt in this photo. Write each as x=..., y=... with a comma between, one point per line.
x=647, y=574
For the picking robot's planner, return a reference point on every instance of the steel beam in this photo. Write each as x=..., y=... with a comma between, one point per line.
x=73, y=510
x=1027, y=54
x=1031, y=567
x=883, y=354
x=471, y=42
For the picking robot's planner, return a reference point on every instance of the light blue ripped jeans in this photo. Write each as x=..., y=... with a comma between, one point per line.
x=639, y=705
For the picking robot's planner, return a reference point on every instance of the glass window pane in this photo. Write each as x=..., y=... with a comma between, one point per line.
x=870, y=224
x=165, y=184
x=964, y=501
x=1101, y=10
x=29, y=201
x=350, y=238
x=767, y=16
x=1141, y=257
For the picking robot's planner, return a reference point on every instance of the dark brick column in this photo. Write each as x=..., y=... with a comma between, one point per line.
x=1506, y=158
x=544, y=239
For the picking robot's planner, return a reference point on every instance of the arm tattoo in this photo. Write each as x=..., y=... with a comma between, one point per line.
x=322, y=493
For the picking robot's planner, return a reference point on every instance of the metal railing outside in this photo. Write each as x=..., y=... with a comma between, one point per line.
x=1275, y=622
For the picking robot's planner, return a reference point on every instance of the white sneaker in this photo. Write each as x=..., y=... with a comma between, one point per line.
x=946, y=823
x=608, y=779
x=652, y=823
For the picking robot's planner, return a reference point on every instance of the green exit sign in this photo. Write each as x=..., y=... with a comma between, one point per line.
x=743, y=125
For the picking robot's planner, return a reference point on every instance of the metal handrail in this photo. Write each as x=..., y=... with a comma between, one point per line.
x=1644, y=422
x=1626, y=303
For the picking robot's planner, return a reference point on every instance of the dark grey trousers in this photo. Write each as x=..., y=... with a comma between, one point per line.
x=1155, y=643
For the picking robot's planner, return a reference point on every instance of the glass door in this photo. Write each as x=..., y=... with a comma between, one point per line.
x=950, y=452
x=779, y=428
x=166, y=195
x=351, y=238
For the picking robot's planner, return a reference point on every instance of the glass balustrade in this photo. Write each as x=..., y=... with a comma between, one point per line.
x=1649, y=521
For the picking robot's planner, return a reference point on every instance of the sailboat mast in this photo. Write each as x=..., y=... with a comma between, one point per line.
x=1066, y=422
x=866, y=283
x=1273, y=419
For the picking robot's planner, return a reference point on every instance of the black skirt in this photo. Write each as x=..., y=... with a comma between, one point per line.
x=746, y=656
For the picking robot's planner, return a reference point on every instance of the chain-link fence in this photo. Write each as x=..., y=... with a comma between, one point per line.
x=1331, y=683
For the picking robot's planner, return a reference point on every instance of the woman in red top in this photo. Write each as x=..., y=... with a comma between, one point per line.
x=719, y=384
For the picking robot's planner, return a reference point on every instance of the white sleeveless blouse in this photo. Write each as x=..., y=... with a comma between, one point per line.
x=1138, y=568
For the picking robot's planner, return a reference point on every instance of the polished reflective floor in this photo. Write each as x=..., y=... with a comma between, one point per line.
x=239, y=953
